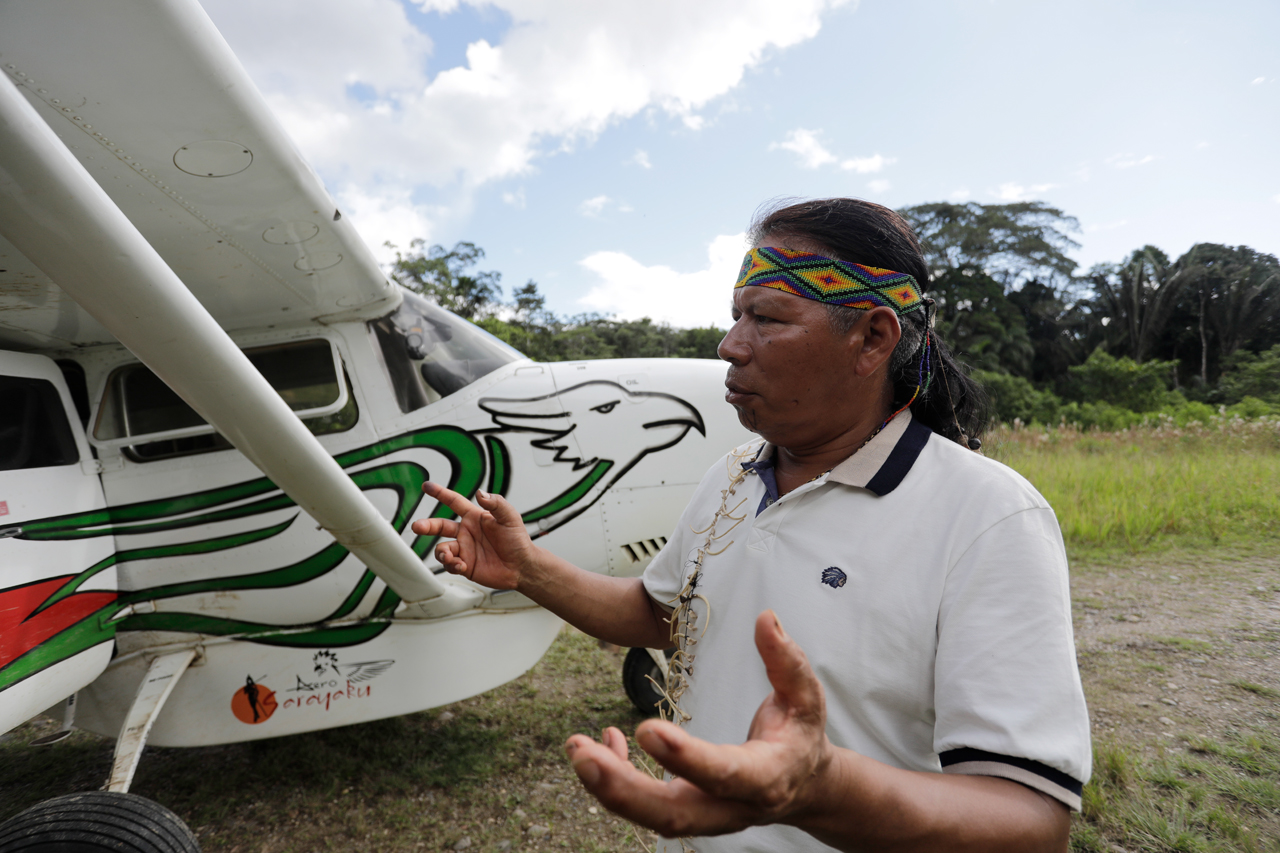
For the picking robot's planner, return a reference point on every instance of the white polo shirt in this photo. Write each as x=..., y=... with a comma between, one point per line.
x=928, y=587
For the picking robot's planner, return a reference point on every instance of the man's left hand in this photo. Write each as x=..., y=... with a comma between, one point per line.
x=721, y=788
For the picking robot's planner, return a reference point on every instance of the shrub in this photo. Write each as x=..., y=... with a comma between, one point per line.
x=1103, y=416
x=1192, y=411
x=1251, y=374
x=1015, y=398
x=1123, y=382
x=1251, y=407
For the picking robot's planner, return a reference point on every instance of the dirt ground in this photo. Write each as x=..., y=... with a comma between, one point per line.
x=1165, y=645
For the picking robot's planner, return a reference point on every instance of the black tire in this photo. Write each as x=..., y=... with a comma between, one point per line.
x=635, y=667
x=94, y=822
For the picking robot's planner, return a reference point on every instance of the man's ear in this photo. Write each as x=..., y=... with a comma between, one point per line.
x=880, y=334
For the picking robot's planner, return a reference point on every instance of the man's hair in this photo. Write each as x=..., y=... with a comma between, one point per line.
x=862, y=232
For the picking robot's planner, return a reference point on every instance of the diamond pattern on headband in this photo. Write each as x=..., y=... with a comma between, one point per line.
x=828, y=280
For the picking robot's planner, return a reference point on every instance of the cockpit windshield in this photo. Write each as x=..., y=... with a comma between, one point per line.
x=431, y=353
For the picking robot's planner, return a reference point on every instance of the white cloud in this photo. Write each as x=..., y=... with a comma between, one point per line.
x=641, y=159
x=1259, y=80
x=594, y=206
x=959, y=194
x=515, y=199
x=1012, y=191
x=878, y=186
x=806, y=145
x=560, y=74
x=597, y=205
x=632, y=290
x=386, y=217
x=1128, y=161
x=1276, y=198
x=863, y=165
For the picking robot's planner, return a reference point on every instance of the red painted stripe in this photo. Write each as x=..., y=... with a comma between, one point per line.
x=18, y=634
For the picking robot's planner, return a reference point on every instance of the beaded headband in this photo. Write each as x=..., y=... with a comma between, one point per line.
x=824, y=279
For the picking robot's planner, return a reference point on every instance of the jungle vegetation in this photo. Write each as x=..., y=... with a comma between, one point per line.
x=1113, y=346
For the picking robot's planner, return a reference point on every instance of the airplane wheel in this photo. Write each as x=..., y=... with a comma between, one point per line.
x=635, y=666
x=97, y=821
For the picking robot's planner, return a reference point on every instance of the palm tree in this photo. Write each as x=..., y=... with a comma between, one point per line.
x=1136, y=299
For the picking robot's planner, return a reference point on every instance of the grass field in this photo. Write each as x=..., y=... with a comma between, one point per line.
x=1175, y=541
x=1149, y=488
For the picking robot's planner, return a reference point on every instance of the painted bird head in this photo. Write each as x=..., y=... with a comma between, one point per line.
x=599, y=421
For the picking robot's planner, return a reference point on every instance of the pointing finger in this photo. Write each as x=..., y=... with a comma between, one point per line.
x=448, y=497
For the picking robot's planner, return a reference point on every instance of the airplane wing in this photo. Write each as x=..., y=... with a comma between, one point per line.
x=151, y=100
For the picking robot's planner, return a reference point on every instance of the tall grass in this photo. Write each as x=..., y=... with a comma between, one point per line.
x=1214, y=483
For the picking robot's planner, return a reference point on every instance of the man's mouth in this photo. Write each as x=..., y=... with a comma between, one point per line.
x=736, y=393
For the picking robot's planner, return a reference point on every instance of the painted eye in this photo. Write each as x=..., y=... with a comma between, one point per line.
x=604, y=408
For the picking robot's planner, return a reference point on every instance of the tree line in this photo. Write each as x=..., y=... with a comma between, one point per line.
x=1106, y=347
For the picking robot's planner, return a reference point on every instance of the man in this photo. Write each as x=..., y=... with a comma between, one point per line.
x=927, y=584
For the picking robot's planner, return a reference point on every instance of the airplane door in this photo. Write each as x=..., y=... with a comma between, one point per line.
x=56, y=594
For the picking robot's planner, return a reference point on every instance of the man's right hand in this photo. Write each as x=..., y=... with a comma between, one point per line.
x=490, y=544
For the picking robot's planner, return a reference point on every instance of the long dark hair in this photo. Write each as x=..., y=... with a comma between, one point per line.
x=863, y=232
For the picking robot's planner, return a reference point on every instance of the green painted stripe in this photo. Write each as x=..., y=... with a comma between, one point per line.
x=257, y=632
x=460, y=446
x=499, y=465
x=68, y=642
x=467, y=458
x=205, y=546
x=73, y=525
x=312, y=567
x=356, y=596
x=572, y=495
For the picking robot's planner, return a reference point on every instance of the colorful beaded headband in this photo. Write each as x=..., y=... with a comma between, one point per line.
x=827, y=280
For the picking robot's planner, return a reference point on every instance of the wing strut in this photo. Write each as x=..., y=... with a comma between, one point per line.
x=53, y=212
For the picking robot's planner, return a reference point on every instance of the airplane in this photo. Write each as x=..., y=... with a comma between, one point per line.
x=217, y=414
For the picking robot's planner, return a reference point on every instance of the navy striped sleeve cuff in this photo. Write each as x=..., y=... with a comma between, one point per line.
x=1033, y=774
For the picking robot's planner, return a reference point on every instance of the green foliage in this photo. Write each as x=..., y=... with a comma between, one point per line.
x=1012, y=242
x=1015, y=398
x=592, y=336
x=1252, y=375
x=444, y=274
x=1135, y=300
x=983, y=328
x=1252, y=407
x=1122, y=382
x=1146, y=340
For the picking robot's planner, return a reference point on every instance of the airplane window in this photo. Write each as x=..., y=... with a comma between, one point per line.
x=431, y=353
x=34, y=432
x=138, y=403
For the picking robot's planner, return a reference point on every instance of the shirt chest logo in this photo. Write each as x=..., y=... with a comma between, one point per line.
x=834, y=577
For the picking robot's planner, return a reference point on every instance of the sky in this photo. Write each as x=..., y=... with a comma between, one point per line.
x=614, y=152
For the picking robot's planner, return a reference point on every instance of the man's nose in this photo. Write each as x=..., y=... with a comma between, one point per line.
x=732, y=348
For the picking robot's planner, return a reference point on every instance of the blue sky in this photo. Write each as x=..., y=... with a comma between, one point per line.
x=614, y=152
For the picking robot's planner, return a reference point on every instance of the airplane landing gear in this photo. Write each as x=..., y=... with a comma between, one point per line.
x=96, y=822
x=637, y=667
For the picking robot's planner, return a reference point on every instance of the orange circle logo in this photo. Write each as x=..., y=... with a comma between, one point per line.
x=253, y=703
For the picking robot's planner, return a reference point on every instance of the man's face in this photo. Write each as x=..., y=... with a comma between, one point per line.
x=788, y=375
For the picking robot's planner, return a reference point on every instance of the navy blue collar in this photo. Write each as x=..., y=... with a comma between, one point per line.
x=879, y=467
